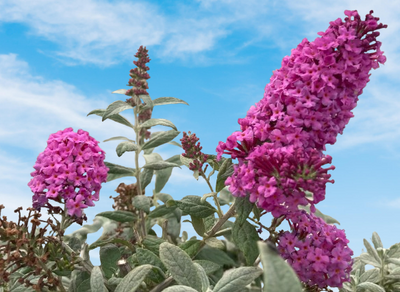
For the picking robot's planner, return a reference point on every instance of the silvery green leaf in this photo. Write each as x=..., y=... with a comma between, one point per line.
x=215, y=243
x=164, y=197
x=153, y=243
x=179, y=288
x=141, y=202
x=192, y=205
x=208, y=266
x=117, y=171
x=160, y=139
x=205, y=283
x=376, y=240
x=120, y=91
x=328, y=219
x=133, y=279
x=175, y=143
x=168, y=100
x=243, y=209
x=191, y=247
x=278, y=275
x=369, y=260
x=109, y=255
x=158, y=122
x=225, y=196
x=126, y=146
x=146, y=176
x=180, y=265
x=145, y=256
x=395, y=274
x=163, y=175
x=158, y=165
x=84, y=286
x=394, y=251
x=198, y=225
x=215, y=255
x=161, y=211
x=205, y=196
x=118, y=138
x=79, y=236
x=115, y=108
x=370, y=287
x=373, y=276
x=119, y=216
x=116, y=118
x=225, y=171
x=372, y=251
x=393, y=261
x=97, y=281
x=235, y=280
x=147, y=100
x=245, y=237
x=186, y=161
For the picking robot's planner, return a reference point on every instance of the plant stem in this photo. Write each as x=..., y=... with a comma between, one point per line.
x=219, y=212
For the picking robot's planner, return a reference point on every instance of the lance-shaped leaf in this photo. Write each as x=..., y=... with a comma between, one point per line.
x=372, y=251
x=157, y=165
x=373, y=276
x=192, y=205
x=147, y=100
x=205, y=283
x=109, y=255
x=368, y=259
x=215, y=255
x=225, y=171
x=180, y=288
x=328, y=219
x=115, y=108
x=376, y=240
x=158, y=122
x=367, y=286
x=117, y=171
x=237, y=279
x=119, y=216
x=180, y=265
x=134, y=279
x=116, y=118
x=163, y=175
x=191, y=247
x=141, y=202
x=161, y=211
x=245, y=237
x=168, y=100
x=118, y=138
x=278, y=275
x=153, y=243
x=145, y=177
x=160, y=139
x=145, y=256
x=198, y=225
x=208, y=266
x=126, y=146
x=120, y=91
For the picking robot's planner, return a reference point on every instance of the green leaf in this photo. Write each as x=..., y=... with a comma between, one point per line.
x=109, y=255
x=168, y=100
x=236, y=280
x=163, y=175
x=133, y=279
x=160, y=139
x=376, y=240
x=117, y=171
x=145, y=256
x=370, y=287
x=192, y=205
x=119, y=216
x=208, y=266
x=278, y=275
x=146, y=176
x=141, y=202
x=84, y=286
x=394, y=274
x=191, y=247
x=179, y=288
x=116, y=118
x=175, y=143
x=153, y=243
x=120, y=91
x=115, y=108
x=369, y=260
x=394, y=251
x=245, y=237
x=243, y=209
x=161, y=211
x=373, y=276
x=205, y=283
x=97, y=281
x=157, y=165
x=328, y=219
x=225, y=171
x=147, y=100
x=99, y=243
x=126, y=146
x=215, y=243
x=215, y=255
x=225, y=196
x=180, y=265
x=118, y=138
x=198, y=225
x=393, y=261
x=158, y=122
x=372, y=251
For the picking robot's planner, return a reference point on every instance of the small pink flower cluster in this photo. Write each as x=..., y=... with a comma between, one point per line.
x=193, y=151
x=317, y=251
x=70, y=170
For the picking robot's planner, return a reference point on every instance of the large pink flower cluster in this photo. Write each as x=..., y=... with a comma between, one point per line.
x=317, y=251
x=70, y=170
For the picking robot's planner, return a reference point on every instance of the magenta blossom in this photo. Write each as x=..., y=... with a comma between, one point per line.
x=70, y=170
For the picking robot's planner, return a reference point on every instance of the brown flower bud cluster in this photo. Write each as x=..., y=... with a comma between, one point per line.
x=193, y=151
x=24, y=246
x=124, y=200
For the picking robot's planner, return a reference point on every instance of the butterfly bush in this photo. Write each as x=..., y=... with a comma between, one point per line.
x=70, y=170
x=280, y=145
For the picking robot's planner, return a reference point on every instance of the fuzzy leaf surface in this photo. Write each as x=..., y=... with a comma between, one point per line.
x=97, y=281
x=370, y=287
x=115, y=108
x=168, y=100
x=158, y=122
x=133, y=279
x=161, y=139
x=192, y=205
x=126, y=146
x=109, y=255
x=235, y=280
x=116, y=118
x=117, y=171
x=119, y=216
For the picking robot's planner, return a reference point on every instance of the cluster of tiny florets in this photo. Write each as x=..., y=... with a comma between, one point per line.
x=193, y=151
x=317, y=251
x=139, y=75
x=70, y=170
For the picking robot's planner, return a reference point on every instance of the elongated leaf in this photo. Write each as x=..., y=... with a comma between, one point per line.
x=205, y=283
x=369, y=260
x=367, y=286
x=145, y=256
x=84, y=286
x=160, y=139
x=109, y=255
x=215, y=243
x=118, y=138
x=132, y=281
x=180, y=265
x=236, y=280
x=119, y=216
x=115, y=108
x=158, y=122
x=97, y=281
x=117, y=171
x=225, y=171
x=163, y=175
x=215, y=255
x=126, y=146
x=120, y=91
x=168, y=100
x=376, y=240
x=192, y=205
x=191, y=247
x=147, y=100
x=179, y=288
x=208, y=266
x=394, y=251
x=157, y=165
x=243, y=209
x=245, y=236
x=278, y=275
x=141, y=202
x=146, y=176
x=373, y=276
x=153, y=243
x=328, y=219
x=372, y=251
x=116, y=118
x=161, y=211
x=198, y=225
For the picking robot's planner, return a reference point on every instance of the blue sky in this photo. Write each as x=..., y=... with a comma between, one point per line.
x=61, y=59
